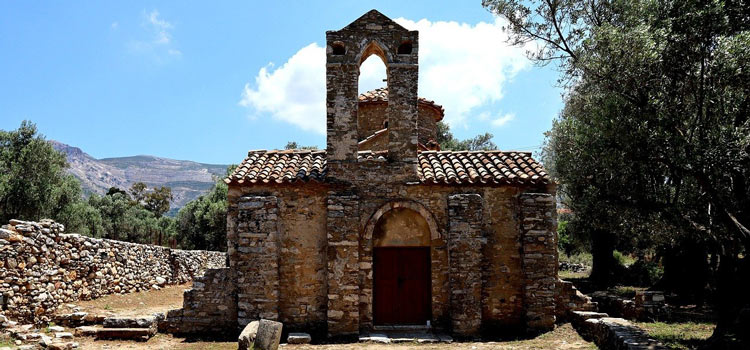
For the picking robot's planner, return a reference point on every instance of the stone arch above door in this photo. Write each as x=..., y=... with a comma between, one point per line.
x=402, y=204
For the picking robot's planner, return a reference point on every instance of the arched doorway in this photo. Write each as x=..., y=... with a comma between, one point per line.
x=401, y=268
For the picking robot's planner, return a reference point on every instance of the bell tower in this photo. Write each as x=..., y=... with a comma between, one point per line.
x=346, y=50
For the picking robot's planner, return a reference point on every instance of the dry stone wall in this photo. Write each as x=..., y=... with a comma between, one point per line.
x=42, y=268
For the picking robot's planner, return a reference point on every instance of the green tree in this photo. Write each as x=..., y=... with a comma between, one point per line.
x=447, y=141
x=295, y=145
x=81, y=217
x=138, y=192
x=30, y=172
x=113, y=209
x=202, y=223
x=158, y=200
x=653, y=144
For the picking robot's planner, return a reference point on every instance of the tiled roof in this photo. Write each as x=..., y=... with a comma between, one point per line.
x=480, y=167
x=434, y=167
x=381, y=95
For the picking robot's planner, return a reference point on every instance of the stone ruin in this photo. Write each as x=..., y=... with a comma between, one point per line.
x=382, y=229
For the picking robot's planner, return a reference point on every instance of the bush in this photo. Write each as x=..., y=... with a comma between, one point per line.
x=643, y=273
x=622, y=259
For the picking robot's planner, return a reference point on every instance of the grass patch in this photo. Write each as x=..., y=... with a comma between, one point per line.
x=578, y=258
x=682, y=336
x=623, y=259
x=625, y=291
x=6, y=341
x=570, y=275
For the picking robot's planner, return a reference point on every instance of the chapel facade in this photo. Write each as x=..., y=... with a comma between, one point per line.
x=382, y=228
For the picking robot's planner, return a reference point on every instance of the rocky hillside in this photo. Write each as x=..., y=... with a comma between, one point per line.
x=187, y=179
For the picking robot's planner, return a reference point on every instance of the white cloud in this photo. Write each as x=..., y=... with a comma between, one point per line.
x=161, y=28
x=160, y=44
x=295, y=92
x=499, y=121
x=504, y=119
x=463, y=67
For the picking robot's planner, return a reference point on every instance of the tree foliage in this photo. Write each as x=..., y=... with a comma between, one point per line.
x=295, y=145
x=33, y=183
x=202, y=223
x=652, y=147
x=447, y=141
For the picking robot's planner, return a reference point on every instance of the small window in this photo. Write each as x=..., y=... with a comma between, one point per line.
x=338, y=48
x=385, y=124
x=405, y=48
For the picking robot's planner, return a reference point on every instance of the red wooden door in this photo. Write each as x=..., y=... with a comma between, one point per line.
x=401, y=278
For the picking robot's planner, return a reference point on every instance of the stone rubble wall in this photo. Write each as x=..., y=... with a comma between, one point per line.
x=209, y=306
x=42, y=268
x=610, y=333
x=569, y=299
x=645, y=306
x=539, y=241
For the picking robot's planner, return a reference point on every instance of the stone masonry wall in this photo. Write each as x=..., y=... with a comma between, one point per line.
x=371, y=117
x=465, y=241
x=254, y=257
x=539, y=242
x=42, y=268
x=302, y=260
x=343, y=264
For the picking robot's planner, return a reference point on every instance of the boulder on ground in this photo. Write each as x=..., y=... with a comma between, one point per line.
x=247, y=337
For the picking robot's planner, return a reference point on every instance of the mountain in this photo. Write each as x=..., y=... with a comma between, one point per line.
x=187, y=179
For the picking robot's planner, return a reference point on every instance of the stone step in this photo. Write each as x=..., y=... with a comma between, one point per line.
x=116, y=333
x=130, y=322
x=125, y=333
x=298, y=338
x=79, y=319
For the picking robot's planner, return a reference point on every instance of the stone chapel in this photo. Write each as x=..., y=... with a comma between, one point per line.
x=382, y=229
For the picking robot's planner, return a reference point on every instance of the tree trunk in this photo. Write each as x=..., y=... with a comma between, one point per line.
x=686, y=271
x=602, y=248
x=732, y=304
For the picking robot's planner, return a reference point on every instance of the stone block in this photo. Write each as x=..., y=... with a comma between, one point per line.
x=298, y=338
x=247, y=336
x=268, y=336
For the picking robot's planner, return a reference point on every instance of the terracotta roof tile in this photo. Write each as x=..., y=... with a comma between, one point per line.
x=433, y=167
x=381, y=95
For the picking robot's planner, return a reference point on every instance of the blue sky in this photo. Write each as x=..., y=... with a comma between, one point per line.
x=209, y=81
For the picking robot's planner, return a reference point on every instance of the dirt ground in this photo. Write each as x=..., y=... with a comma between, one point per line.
x=564, y=337
x=136, y=304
